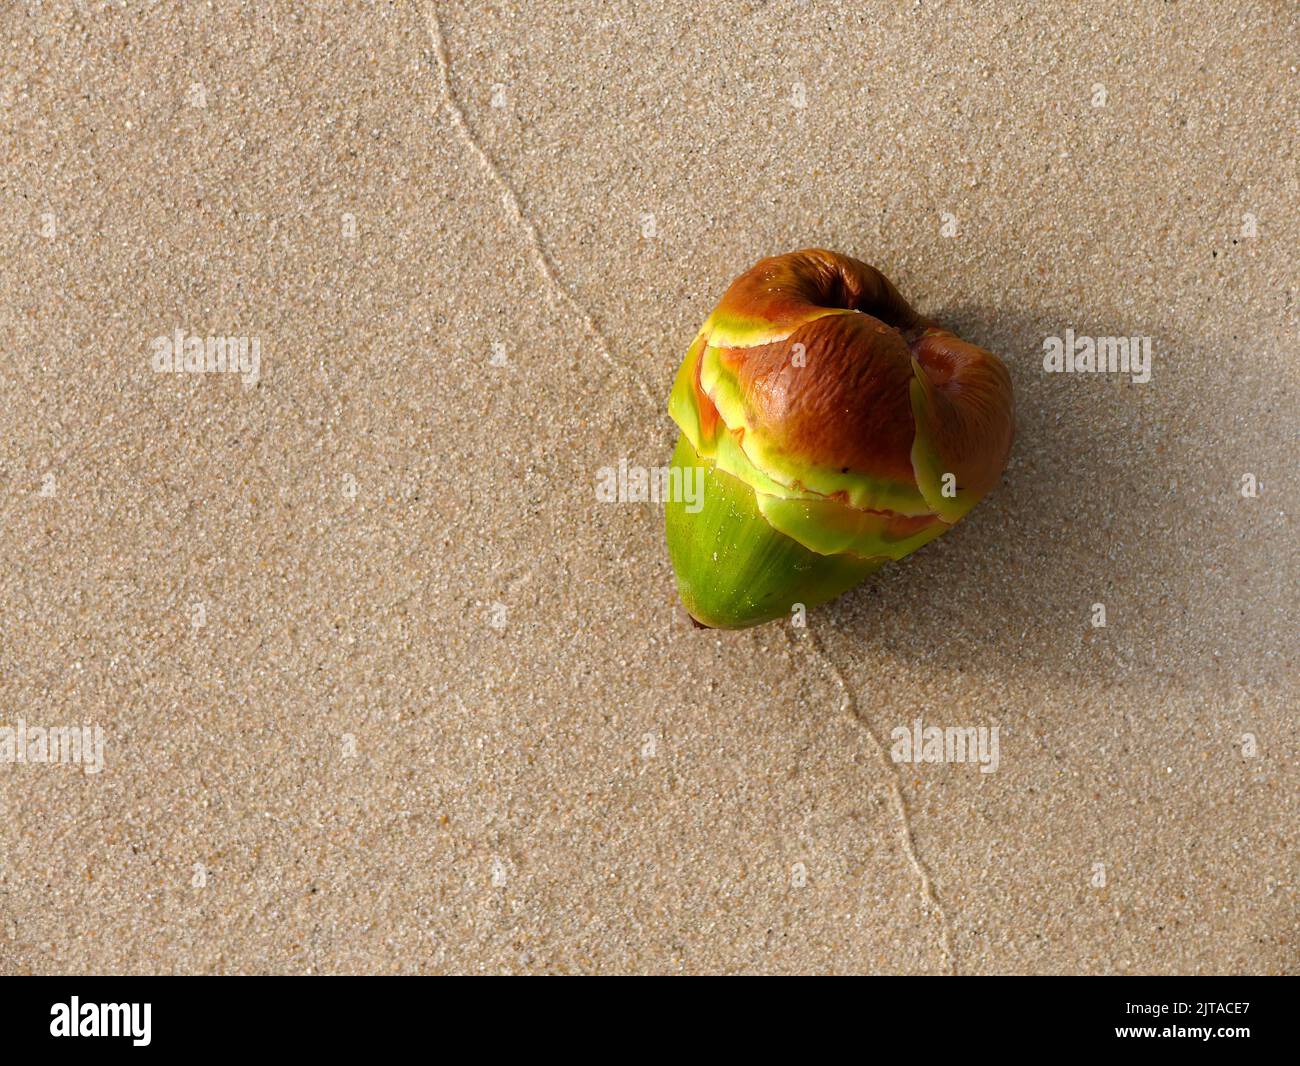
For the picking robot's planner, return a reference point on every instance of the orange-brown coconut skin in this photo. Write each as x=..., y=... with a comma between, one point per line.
x=853, y=409
x=879, y=406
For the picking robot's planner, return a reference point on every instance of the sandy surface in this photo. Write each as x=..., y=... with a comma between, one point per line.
x=382, y=686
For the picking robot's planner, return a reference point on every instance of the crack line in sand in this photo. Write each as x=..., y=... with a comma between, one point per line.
x=510, y=201
x=930, y=899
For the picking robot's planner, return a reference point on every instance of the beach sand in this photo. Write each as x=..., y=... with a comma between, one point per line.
x=383, y=688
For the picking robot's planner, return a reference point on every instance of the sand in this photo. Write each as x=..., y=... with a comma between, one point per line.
x=383, y=688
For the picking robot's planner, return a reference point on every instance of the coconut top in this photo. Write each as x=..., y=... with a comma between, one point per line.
x=817, y=384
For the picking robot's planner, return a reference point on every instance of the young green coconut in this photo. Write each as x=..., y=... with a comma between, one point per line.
x=836, y=430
